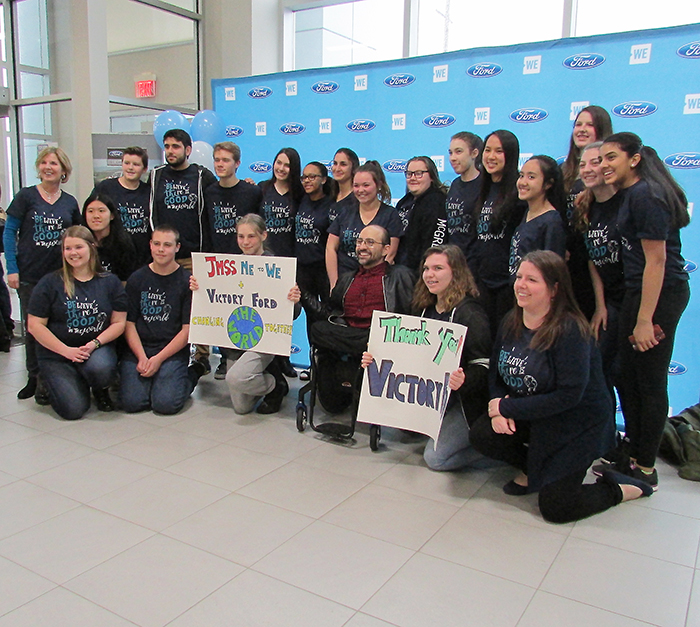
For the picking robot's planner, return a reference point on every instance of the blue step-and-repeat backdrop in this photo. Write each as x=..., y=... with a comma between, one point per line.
x=390, y=111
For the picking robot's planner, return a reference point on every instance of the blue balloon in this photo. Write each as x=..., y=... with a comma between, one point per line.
x=167, y=121
x=208, y=127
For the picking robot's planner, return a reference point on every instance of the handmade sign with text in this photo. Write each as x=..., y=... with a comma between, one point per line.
x=242, y=302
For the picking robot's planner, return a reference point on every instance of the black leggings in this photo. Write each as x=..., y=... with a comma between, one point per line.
x=565, y=500
x=643, y=377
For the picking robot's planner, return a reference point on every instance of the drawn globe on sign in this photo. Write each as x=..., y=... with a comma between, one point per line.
x=245, y=327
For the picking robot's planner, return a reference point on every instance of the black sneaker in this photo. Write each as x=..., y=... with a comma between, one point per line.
x=205, y=362
x=198, y=370
x=272, y=402
x=651, y=478
x=287, y=368
x=623, y=467
x=220, y=373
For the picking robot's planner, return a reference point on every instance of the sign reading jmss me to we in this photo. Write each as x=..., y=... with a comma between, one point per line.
x=242, y=302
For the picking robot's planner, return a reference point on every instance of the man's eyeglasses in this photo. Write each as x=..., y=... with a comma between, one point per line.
x=368, y=242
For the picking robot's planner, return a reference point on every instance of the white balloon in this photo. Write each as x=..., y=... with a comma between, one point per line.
x=203, y=154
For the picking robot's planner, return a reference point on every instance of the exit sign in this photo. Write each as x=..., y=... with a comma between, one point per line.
x=146, y=89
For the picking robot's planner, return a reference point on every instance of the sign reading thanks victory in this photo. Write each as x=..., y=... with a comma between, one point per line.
x=242, y=302
x=406, y=385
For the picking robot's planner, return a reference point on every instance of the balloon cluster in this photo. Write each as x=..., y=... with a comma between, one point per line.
x=206, y=129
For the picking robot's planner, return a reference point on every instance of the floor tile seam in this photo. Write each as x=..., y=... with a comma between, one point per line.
x=696, y=577
x=89, y=502
x=348, y=475
x=61, y=463
x=535, y=523
x=630, y=552
x=17, y=424
x=77, y=504
x=65, y=581
x=204, y=598
x=102, y=449
x=14, y=609
x=365, y=611
x=246, y=566
x=430, y=498
x=282, y=507
x=596, y=607
x=20, y=409
x=484, y=572
x=650, y=505
x=367, y=535
x=297, y=587
x=96, y=604
x=108, y=450
x=359, y=612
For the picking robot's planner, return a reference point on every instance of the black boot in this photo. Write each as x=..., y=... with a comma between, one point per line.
x=103, y=400
x=286, y=367
x=28, y=390
x=272, y=402
x=41, y=396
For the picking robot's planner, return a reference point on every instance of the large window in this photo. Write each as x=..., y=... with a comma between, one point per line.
x=353, y=32
x=341, y=33
x=148, y=46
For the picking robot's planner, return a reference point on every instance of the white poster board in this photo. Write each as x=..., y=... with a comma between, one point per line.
x=406, y=385
x=242, y=302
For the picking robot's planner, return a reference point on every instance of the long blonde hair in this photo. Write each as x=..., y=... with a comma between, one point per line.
x=83, y=233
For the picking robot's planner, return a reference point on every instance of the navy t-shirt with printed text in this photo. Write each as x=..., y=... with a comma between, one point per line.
x=348, y=226
x=77, y=320
x=643, y=215
x=223, y=207
x=544, y=232
x=460, y=215
x=603, y=244
x=133, y=207
x=159, y=306
x=279, y=212
x=41, y=226
x=311, y=229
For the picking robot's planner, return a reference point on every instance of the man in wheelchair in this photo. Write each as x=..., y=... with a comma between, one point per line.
x=341, y=331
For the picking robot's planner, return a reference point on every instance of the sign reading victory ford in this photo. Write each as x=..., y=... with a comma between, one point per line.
x=242, y=302
x=407, y=384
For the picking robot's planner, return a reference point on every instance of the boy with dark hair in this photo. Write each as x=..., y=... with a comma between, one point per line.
x=154, y=373
x=131, y=197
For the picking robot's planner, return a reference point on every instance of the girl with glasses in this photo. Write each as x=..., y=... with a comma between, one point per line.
x=422, y=212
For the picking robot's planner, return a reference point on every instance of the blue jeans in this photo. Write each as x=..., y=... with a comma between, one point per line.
x=454, y=450
x=165, y=392
x=69, y=383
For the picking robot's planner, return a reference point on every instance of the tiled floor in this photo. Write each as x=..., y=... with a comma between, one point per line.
x=211, y=519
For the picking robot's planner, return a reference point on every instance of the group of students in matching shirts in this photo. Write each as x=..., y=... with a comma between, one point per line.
x=612, y=211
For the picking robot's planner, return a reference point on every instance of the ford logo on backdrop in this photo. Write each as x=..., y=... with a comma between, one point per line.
x=360, y=125
x=676, y=367
x=292, y=128
x=690, y=51
x=261, y=167
x=325, y=87
x=484, y=70
x=690, y=266
x=260, y=92
x=634, y=109
x=526, y=116
x=328, y=164
x=233, y=131
x=399, y=80
x=395, y=165
x=683, y=160
x=438, y=120
x=585, y=61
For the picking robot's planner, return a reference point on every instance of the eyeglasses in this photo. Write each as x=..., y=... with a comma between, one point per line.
x=368, y=242
x=415, y=173
x=310, y=177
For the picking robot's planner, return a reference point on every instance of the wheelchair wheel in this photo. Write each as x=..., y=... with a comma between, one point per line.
x=301, y=419
x=375, y=434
